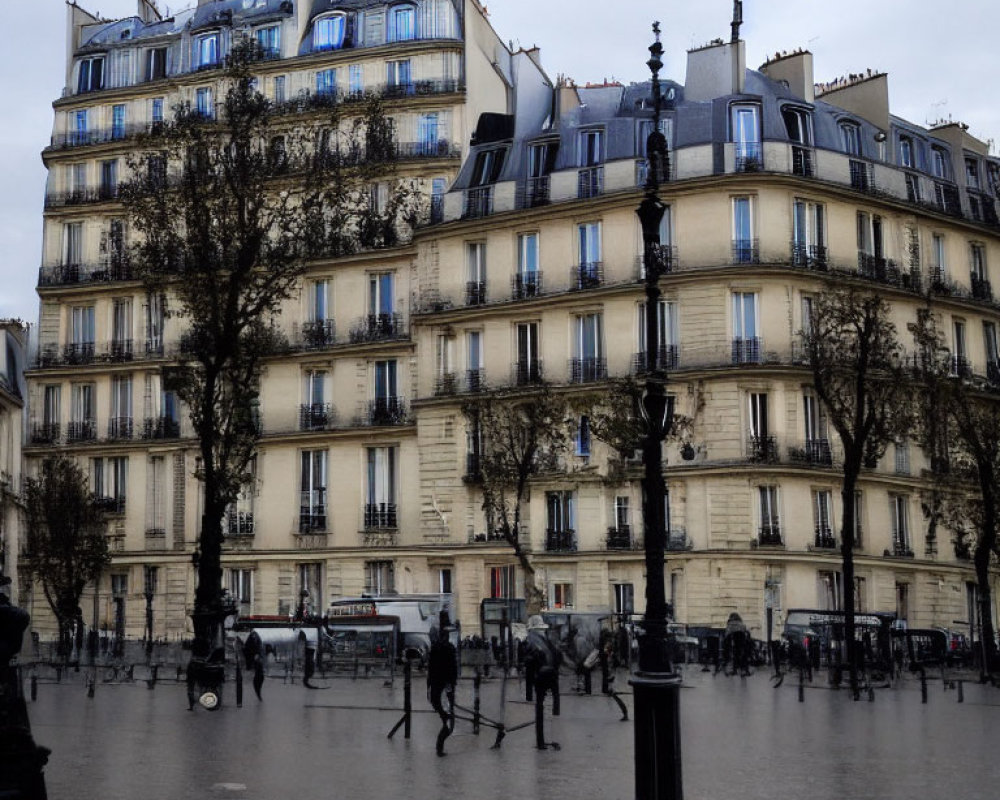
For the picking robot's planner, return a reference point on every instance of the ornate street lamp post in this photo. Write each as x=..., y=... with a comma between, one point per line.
x=656, y=685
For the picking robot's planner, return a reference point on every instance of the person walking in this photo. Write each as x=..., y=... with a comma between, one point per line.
x=737, y=644
x=442, y=673
x=542, y=659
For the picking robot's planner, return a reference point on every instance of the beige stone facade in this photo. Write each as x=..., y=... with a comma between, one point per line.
x=361, y=472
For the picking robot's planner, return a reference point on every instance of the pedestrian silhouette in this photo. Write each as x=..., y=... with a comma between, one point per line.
x=442, y=673
x=542, y=660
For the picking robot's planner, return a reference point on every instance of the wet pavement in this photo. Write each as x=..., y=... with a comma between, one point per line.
x=741, y=739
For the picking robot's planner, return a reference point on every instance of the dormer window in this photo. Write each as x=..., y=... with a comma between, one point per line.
x=993, y=177
x=906, y=152
x=939, y=162
x=850, y=138
x=269, y=41
x=329, y=32
x=591, y=147
x=798, y=124
x=156, y=63
x=746, y=136
x=972, y=173
x=91, y=75
x=488, y=166
x=208, y=50
x=402, y=23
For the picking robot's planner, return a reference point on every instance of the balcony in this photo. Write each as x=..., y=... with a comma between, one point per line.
x=824, y=538
x=746, y=251
x=378, y=328
x=473, y=468
x=478, y=202
x=475, y=380
x=769, y=535
x=114, y=133
x=312, y=520
x=802, y=162
x=587, y=370
x=440, y=148
x=811, y=256
x=762, y=450
x=590, y=182
x=900, y=549
x=78, y=353
x=525, y=285
x=318, y=334
x=747, y=351
x=109, y=505
x=667, y=358
x=677, y=539
x=981, y=289
x=161, y=428
x=536, y=192
x=101, y=194
x=527, y=373
x=814, y=452
x=861, y=177
x=120, y=428
x=475, y=293
x=619, y=538
x=45, y=433
x=446, y=384
x=749, y=157
x=81, y=431
x=664, y=258
x=154, y=347
x=560, y=541
x=380, y=516
x=239, y=523
x=960, y=367
x=119, y=350
x=386, y=411
x=316, y=416
x=588, y=275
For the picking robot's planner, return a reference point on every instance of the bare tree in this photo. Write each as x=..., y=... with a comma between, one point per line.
x=516, y=435
x=960, y=428
x=860, y=375
x=66, y=539
x=227, y=211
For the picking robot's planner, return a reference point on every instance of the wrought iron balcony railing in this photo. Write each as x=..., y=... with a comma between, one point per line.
x=478, y=202
x=475, y=293
x=475, y=380
x=813, y=256
x=588, y=275
x=587, y=370
x=387, y=411
x=590, y=182
x=79, y=353
x=981, y=289
x=619, y=537
x=380, y=515
x=45, y=433
x=312, y=519
x=161, y=428
x=861, y=177
x=824, y=538
x=536, y=192
x=814, y=451
x=901, y=549
x=960, y=367
x=769, y=534
x=316, y=416
x=473, y=468
x=378, y=327
x=119, y=350
x=560, y=541
x=747, y=351
x=100, y=194
x=664, y=260
x=526, y=373
x=749, y=157
x=746, y=251
x=109, y=505
x=525, y=285
x=802, y=161
x=667, y=358
x=318, y=333
x=81, y=430
x=120, y=428
x=446, y=384
x=762, y=449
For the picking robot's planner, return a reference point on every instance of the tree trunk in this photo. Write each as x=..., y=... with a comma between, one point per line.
x=851, y=471
x=985, y=545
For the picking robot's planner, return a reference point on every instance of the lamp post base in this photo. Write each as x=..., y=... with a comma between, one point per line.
x=657, y=736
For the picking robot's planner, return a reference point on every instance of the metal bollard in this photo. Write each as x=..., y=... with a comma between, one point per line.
x=239, y=686
x=923, y=687
x=961, y=691
x=476, y=682
x=91, y=684
x=802, y=687
x=151, y=683
x=34, y=688
x=407, y=704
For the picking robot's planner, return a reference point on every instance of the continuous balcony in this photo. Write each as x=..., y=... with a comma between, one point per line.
x=862, y=177
x=118, y=350
x=981, y=288
x=814, y=452
x=587, y=370
x=78, y=197
x=378, y=328
x=46, y=433
x=810, y=256
x=560, y=541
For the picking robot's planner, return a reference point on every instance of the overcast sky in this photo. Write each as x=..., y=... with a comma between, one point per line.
x=942, y=61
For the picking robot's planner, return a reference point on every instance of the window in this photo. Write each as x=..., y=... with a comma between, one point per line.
x=475, y=259
x=118, y=121
x=589, y=363
x=120, y=423
x=203, y=103
x=314, y=412
x=355, y=81
x=156, y=63
x=808, y=233
x=541, y=159
x=156, y=111
x=939, y=162
x=992, y=351
x=119, y=584
x=488, y=166
x=397, y=76
x=830, y=585
x=109, y=481
x=380, y=508
x=746, y=136
x=622, y=515
x=977, y=263
x=902, y=457
x=560, y=520
x=326, y=82
x=902, y=601
x=770, y=528
x=624, y=598
x=444, y=360
x=940, y=266
x=816, y=431
x=312, y=506
x=90, y=75
x=51, y=406
x=207, y=50
x=744, y=243
x=380, y=293
x=319, y=300
x=121, y=328
x=444, y=580
x=850, y=138
x=761, y=446
x=309, y=599
x=590, y=267
x=83, y=412
x=154, y=323
x=329, y=32
x=502, y=582
x=906, y=152
x=858, y=512
x=527, y=282
x=899, y=521
x=241, y=588
x=402, y=24
x=427, y=134
x=474, y=354
x=959, y=352
x=561, y=595
x=82, y=322
x=746, y=341
x=667, y=336
x=972, y=173
x=798, y=124
x=583, y=437
x=528, y=369
x=591, y=147
x=109, y=179
x=72, y=243
x=155, y=506
x=380, y=577
x=269, y=41
x=871, y=248
x=823, y=518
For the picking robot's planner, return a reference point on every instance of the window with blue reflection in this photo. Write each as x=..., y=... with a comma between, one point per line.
x=328, y=32
x=402, y=24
